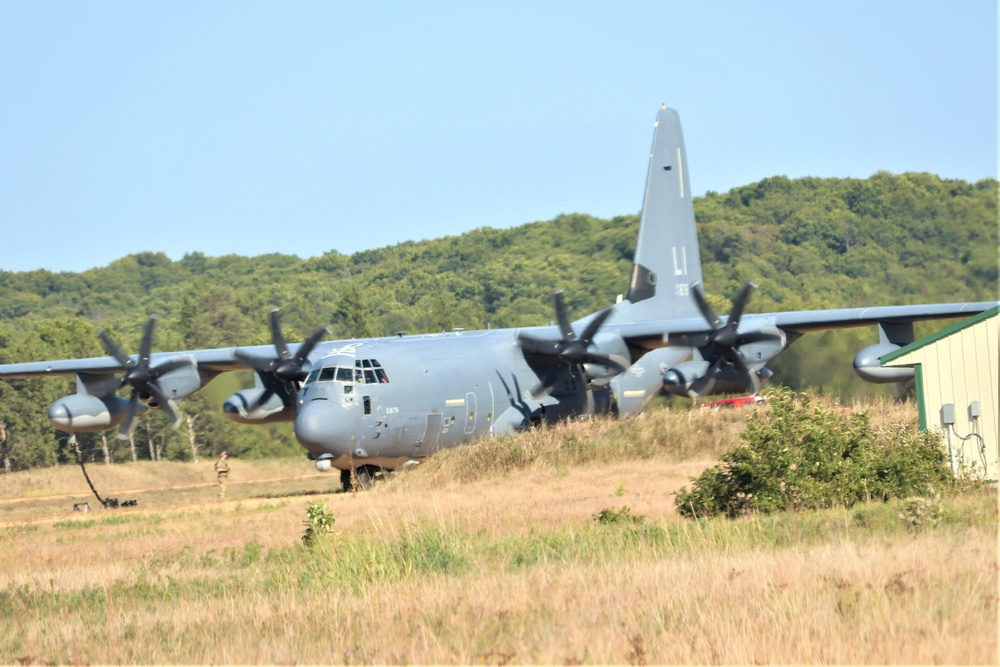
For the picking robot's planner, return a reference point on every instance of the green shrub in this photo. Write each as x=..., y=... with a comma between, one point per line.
x=319, y=522
x=801, y=455
x=610, y=515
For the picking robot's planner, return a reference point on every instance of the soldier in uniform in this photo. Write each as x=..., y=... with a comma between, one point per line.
x=222, y=473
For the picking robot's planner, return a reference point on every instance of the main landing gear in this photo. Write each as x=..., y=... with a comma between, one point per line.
x=361, y=478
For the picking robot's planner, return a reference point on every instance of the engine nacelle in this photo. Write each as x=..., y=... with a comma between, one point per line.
x=237, y=408
x=728, y=380
x=84, y=413
x=182, y=381
x=614, y=346
x=867, y=365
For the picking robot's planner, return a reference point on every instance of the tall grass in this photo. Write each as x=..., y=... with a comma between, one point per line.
x=461, y=562
x=671, y=435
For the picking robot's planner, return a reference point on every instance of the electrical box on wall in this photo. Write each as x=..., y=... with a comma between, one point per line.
x=948, y=414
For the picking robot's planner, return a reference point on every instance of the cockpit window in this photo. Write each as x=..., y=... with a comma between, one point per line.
x=365, y=371
x=370, y=371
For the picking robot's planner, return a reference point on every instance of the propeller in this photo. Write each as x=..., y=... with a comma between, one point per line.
x=281, y=373
x=571, y=349
x=140, y=376
x=722, y=343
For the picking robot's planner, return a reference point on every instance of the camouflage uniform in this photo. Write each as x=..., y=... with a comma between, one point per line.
x=222, y=473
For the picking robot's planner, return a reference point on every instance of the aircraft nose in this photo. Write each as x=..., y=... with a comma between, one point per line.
x=323, y=427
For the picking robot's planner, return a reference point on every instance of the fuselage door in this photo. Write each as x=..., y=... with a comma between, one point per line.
x=432, y=432
x=470, y=413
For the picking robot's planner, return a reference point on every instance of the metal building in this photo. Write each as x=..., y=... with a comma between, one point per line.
x=956, y=372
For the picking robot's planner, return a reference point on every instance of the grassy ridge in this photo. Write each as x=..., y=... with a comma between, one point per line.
x=485, y=556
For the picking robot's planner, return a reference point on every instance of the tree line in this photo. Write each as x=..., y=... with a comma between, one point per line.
x=808, y=243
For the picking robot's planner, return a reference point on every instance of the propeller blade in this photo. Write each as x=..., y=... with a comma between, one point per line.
x=113, y=350
x=309, y=344
x=595, y=324
x=534, y=345
x=133, y=404
x=564, y=325
x=738, y=305
x=166, y=403
x=276, y=337
x=548, y=383
x=706, y=310
x=704, y=384
x=147, y=340
x=585, y=392
x=752, y=379
x=264, y=397
x=254, y=362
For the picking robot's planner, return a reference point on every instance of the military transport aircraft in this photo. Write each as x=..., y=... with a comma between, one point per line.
x=367, y=405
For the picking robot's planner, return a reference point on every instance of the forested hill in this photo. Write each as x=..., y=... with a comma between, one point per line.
x=808, y=243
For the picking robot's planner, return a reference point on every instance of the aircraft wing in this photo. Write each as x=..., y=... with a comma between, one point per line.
x=657, y=333
x=221, y=359
x=842, y=318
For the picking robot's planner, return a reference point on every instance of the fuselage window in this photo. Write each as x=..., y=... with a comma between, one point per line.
x=345, y=375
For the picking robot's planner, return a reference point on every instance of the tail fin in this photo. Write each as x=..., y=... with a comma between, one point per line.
x=667, y=260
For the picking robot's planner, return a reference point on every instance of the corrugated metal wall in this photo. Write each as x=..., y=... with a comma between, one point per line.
x=958, y=369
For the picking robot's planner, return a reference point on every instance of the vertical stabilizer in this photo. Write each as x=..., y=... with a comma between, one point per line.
x=667, y=261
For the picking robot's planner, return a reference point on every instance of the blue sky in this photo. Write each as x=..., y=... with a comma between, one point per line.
x=304, y=127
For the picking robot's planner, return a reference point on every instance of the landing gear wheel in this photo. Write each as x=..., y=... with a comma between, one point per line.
x=364, y=477
x=361, y=478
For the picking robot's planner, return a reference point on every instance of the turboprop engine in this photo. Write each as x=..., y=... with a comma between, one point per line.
x=867, y=365
x=83, y=413
x=246, y=407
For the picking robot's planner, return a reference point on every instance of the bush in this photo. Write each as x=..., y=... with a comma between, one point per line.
x=319, y=522
x=610, y=515
x=801, y=455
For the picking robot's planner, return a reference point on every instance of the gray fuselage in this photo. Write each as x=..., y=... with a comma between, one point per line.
x=390, y=400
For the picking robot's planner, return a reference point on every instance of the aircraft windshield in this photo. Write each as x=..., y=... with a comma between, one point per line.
x=366, y=371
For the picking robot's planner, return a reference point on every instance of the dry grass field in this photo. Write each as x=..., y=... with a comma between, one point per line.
x=487, y=555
